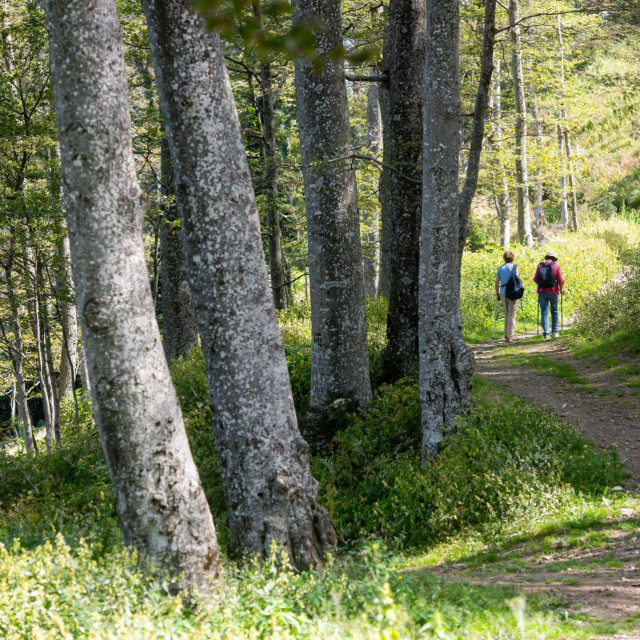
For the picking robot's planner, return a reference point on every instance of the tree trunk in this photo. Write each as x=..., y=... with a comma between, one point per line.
x=403, y=65
x=522, y=176
x=179, y=327
x=50, y=372
x=371, y=239
x=269, y=490
x=82, y=366
x=503, y=199
x=36, y=328
x=276, y=261
x=162, y=506
x=68, y=321
x=339, y=354
x=575, y=225
x=564, y=207
x=386, y=233
x=446, y=363
x=538, y=207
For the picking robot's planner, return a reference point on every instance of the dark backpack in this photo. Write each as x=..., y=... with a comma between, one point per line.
x=514, y=289
x=546, y=275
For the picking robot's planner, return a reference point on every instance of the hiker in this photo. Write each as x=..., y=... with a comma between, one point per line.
x=505, y=272
x=550, y=283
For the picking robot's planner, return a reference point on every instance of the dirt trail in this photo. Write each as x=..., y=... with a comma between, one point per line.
x=603, y=407
x=599, y=575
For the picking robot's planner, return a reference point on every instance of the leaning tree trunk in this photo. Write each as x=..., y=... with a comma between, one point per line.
x=269, y=490
x=403, y=64
x=162, y=506
x=179, y=327
x=371, y=239
x=339, y=354
x=522, y=176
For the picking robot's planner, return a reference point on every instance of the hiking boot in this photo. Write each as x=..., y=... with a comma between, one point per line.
x=547, y=336
x=555, y=335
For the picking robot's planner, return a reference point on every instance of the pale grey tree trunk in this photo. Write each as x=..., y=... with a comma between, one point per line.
x=503, y=198
x=179, y=327
x=17, y=352
x=538, y=207
x=162, y=506
x=339, y=354
x=563, y=134
x=575, y=224
x=36, y=329
x=564, y=206
x=403, y=66
x=269, y=490
x=68, y=321
x=446, y=363
x=82, y=366
x=522, y=174
x=371, y=240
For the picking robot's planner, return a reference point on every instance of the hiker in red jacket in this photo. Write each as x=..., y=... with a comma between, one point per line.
x=550, y=283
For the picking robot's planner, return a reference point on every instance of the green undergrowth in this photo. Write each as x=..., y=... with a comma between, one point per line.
x=511, y=467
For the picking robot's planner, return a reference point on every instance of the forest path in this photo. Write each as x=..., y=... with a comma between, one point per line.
x=601, y=405
x=593, y=570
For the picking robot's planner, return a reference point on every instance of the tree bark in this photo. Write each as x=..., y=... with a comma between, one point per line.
x=68, y=321
x=403, y=65
x=339, y=354
x=277, y=270
x=162, y=507
x=522, y=174
x=502, y=197
x=269, y=490
x=371, y=257
x=538, y=207
x=446, y=363
x=575, y=224
x=564, y=207
x=179, y=327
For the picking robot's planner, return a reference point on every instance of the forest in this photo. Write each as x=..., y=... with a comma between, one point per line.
x=261, y=372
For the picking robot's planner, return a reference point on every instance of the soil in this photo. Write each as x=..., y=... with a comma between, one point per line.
x=603, y=581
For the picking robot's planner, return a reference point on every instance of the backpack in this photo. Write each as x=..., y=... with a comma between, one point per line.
x=514, y=289
x=546, y=275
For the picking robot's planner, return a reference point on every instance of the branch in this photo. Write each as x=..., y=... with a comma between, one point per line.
x=477, y=136
x=354, y=77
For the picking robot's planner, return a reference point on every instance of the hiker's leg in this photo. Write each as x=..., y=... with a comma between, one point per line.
x=544, y=312
x=513, y=315
x=554, y=312
x=505, y=304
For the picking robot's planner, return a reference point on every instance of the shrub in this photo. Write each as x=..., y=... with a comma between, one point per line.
x=508, y=461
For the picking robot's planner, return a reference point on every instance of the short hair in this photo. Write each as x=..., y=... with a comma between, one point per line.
x=509, y=256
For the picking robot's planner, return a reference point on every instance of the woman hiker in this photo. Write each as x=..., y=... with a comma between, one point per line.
x=550, y=283
x=510, y=306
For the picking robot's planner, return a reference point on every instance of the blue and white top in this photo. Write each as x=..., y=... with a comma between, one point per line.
x=504, y=273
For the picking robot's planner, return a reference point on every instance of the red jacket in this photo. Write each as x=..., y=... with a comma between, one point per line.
x=558, y=275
